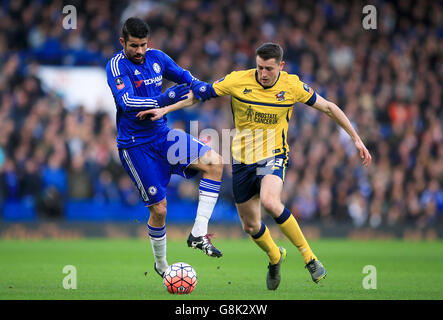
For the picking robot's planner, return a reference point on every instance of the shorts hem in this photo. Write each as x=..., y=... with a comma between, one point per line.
x=147, y=205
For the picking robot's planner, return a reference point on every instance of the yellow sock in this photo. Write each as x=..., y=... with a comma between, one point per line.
x=289, y=226
x=264, y=240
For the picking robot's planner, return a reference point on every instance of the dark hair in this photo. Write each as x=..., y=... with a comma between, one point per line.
x=270, y=50
x=135, y=27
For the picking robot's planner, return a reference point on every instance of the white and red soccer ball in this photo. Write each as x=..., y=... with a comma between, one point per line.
x=180, y=278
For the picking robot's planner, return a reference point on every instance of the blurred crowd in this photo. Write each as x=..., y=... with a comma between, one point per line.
x=388, y=81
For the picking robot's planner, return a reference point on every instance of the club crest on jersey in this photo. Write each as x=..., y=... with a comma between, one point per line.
x=152, y=190
x=280, y=96
x=246, y=91
x=119, y=83
x=156, y=67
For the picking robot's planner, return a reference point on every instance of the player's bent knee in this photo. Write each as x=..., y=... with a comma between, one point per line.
x=158, y=210
x=212, y=163
x=212, y=158
x=217, y=167
x=270, y=204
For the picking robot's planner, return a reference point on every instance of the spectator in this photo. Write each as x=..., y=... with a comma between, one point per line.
x=106, y=191
x=387, y=80
x=80, y=186
x=31, y=182
x=54, y=175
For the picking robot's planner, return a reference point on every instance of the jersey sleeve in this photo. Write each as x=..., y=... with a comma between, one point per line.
x=223, y=86
x=174, y=72
x=122, y=89
x=303, y=92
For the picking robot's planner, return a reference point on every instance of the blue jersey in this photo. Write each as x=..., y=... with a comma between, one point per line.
x=135, y=87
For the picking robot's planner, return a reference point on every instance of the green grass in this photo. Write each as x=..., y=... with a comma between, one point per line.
x=114, y=269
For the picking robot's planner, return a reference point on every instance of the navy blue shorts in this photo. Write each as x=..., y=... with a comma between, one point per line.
x=151, y=165
x=246, y=178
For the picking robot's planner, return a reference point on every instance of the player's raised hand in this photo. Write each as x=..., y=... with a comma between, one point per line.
x=202, y=90
x=364, y=153
x=158, y=113
x=151, y=114
x=172, y=95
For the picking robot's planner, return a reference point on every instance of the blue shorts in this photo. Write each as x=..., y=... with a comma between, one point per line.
x=246, y=178
x=151, y=165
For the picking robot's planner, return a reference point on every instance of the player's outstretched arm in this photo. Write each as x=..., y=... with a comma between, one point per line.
x=333, y=111
x=158, y=113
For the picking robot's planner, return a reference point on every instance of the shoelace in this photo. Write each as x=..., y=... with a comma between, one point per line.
x=272, y=269
x=208, y=239
x=312, y=266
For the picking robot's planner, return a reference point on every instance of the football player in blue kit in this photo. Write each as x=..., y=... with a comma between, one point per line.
x=151, y=151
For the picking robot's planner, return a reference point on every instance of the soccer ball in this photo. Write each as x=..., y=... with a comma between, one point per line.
x=180, y=278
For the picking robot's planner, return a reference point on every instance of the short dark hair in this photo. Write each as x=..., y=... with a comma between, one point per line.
x=135, y=27
x=270, y=50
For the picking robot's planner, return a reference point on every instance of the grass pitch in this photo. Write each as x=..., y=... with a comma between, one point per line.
x=115, y=269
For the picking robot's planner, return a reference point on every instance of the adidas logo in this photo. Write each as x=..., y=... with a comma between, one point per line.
x=136, y=73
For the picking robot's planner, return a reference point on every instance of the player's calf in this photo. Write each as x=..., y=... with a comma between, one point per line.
x=211, y=166
x=157, y=212
x=157, y=235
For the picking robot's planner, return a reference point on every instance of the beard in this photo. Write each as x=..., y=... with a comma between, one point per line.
x=137, y=58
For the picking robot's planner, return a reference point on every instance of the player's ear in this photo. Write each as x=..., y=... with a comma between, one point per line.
x=282, y=64
x=122, y=42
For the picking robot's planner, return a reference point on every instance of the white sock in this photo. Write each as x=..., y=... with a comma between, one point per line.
x=209, y=190
x=158, y=242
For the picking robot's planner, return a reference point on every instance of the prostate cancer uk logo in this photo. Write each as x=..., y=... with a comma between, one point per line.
x=119, y=83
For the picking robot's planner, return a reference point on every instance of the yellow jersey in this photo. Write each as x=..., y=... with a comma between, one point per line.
x=261, y=114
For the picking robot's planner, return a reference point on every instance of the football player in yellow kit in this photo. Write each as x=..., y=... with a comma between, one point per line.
x=262, y=100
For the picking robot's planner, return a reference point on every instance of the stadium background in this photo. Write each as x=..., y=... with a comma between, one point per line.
x=58, y=160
